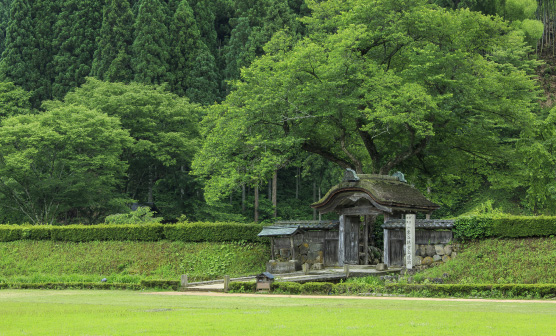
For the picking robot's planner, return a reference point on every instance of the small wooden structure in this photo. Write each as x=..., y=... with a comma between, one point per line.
x=358, y=200
x=264, y=280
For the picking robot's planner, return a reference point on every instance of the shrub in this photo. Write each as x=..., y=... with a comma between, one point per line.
x=212, y=232
x=503, y=226
x=316, y=288
x=83, y=233
x=10, y=233
x=163, y=284
x=242, y=287
x=286, y=287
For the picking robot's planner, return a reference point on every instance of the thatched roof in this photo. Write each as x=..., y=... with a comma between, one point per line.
x=386, y=193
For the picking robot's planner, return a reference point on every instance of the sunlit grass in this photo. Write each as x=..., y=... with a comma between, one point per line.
x=132, y=313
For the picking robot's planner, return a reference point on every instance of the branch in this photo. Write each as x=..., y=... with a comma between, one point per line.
x=414, y=150
x=315, y=149
x=369, y=143
x=358, y=165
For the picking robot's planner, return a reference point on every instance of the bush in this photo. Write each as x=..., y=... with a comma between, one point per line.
x=503, y=226
x=242, y=287
x=507, y=290
x=212, y=232
x=286, y=287
x=83, y=233
x=163, y=284
x=72, y=285
x=316, y=288
x=186, y=232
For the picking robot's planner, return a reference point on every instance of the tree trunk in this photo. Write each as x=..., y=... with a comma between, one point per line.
x=315, y=199
x=256, y=215
x=243, y=197
x=274, y=192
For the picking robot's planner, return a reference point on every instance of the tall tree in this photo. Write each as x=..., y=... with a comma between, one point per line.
x=194, y=68
x=27, y=57
x=62, y=159
x=150, y=47
x=372, y=88
x=112, y=59
x=4, y=20
x=77, y=27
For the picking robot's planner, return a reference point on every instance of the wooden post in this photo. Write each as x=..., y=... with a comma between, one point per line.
x=293, y=249
x=272, y=248
x=366, y=241
x=226, y=282
x=341, y=240
x=184, y=281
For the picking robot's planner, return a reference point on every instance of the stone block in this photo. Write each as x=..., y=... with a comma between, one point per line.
x=423, y=250
x=439, y=249
x=318, y=266
x=430, y=251
x=436, y=257
x=453, y=255
x=448, y=250
x=418, y=260
x=427, y=261
x=381, y=267
x=446, y=258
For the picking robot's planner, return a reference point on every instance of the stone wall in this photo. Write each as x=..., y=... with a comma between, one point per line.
x=427, y=255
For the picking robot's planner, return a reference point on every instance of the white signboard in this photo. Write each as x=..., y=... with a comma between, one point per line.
x=409, y=240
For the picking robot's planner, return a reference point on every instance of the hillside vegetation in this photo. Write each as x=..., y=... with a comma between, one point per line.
x=126, y=262
x=500, y=261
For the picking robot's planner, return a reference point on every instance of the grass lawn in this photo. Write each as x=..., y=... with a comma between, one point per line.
x=28, y=312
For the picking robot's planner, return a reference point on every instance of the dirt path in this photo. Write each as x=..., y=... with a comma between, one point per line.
x=344, y=297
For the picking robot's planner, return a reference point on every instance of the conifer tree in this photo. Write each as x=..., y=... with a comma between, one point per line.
x=4, y=19
x=76, y=29
x=150, y=49
x=193, y=65
x=20, y=48
x=112, y=60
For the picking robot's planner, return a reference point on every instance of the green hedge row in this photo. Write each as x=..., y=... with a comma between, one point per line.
x=496, y=290
x=160, y=284
x=187, y=232
x=504, y=226
x=326, y=288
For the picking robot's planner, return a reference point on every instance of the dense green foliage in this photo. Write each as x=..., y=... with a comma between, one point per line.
x=442, y=90
x=28, y=261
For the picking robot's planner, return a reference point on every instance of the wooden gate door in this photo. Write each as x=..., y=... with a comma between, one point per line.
x=331, y=252
x=396, y=242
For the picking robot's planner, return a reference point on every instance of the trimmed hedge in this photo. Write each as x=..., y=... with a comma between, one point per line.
x=186, y=232
x=164, y=284
x=511, y=290
x=215, y=232
x=71, y=285
x=503, y=226
x=487, y=290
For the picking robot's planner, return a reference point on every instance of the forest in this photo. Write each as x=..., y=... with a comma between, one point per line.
x=249, y=110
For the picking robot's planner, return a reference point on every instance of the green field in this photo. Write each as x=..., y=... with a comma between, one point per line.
x=26, y=312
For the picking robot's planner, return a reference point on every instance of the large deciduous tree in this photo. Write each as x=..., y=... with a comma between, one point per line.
x=67, y=158
x=373, y=87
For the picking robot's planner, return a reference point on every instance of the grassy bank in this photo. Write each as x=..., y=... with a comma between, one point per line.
x=126, y=262
x=500, y=261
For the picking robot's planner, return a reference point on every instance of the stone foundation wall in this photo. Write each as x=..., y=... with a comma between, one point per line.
x=428, y=255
